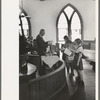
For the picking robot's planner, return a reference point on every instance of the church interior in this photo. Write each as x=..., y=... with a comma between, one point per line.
x=45, y=66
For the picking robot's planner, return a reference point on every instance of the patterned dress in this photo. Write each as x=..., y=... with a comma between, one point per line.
x=78, y=51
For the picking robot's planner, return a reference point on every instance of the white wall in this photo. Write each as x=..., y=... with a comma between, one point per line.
x=44, y=15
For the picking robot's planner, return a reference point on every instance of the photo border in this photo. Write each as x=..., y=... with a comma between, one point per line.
x=1, y=39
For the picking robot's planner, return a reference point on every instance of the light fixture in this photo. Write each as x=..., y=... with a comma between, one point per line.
x=42, y=0
x=26, y=16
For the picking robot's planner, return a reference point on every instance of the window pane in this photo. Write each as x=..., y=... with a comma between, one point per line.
x=76, y=27
x=62, y=22
x=62, y=25
x=68, y=10
x=62, y=33
x=76, y=33
x=75, y=24
x=20, y=32
x=26, y=33
x=25, y=25
x=24, y=21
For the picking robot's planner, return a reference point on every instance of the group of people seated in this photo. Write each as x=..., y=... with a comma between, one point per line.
x=26, y=45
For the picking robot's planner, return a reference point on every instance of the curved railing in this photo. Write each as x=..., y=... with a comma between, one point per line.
x=48, y=85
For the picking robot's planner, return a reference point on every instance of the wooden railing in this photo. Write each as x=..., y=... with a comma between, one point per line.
x=46, y=86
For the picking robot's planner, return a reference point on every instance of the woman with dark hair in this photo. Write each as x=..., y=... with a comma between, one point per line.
x=67, y=40
x=65, y=57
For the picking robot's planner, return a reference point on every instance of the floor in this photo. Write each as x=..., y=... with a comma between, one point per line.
x=88, y=91
x=72, y=92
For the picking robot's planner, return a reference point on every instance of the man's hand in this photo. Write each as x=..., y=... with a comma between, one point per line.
x=49, y=42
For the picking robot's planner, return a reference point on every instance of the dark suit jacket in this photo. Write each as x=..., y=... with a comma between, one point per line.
x=22, y=45
x=41, y=45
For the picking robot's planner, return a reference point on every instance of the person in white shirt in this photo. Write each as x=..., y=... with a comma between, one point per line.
x=78, y=64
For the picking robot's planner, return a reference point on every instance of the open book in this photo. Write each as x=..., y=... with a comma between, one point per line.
x=68, y=52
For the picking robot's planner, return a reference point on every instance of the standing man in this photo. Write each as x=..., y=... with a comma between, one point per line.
x=41, y=44
x=41, y=48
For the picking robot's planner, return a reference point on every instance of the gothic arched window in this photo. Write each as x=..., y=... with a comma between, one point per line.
x=24, y=24
x=69, y=23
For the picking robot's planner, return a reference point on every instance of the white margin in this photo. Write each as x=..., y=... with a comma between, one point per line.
x=97, y=65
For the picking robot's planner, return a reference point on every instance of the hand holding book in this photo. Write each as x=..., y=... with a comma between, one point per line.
x=50, y=42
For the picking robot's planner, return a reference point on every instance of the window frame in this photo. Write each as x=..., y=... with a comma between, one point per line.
x=28, y=20
x=62, y=11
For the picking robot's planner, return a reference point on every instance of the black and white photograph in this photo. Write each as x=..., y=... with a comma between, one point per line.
x=49, y=50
